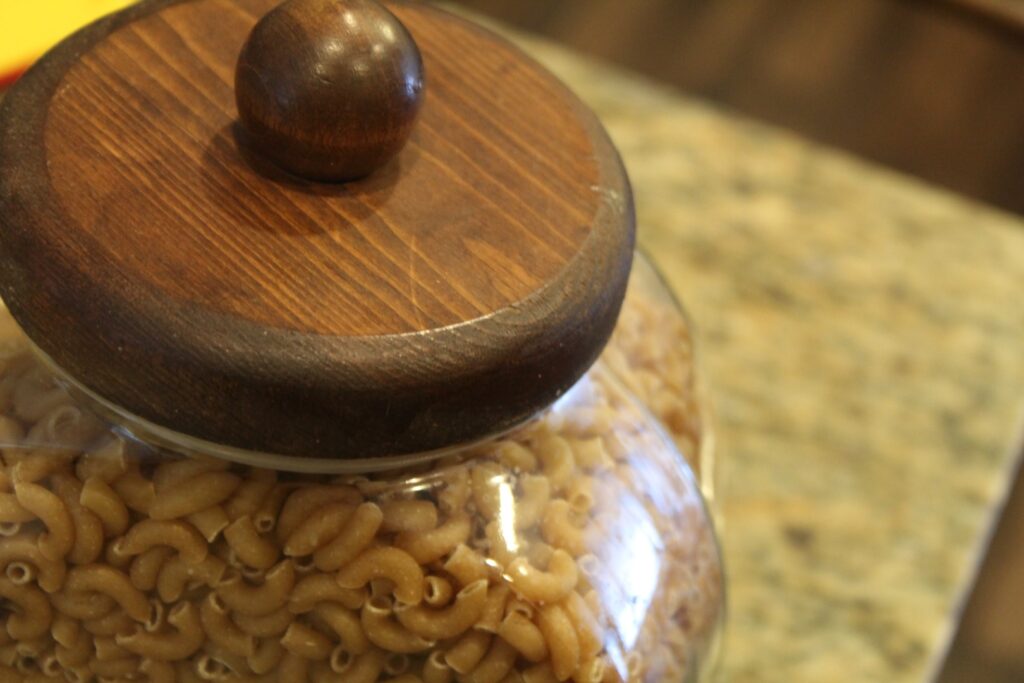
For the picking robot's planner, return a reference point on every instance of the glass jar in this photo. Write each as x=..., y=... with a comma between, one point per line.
x=267, y=418
x=578, y=544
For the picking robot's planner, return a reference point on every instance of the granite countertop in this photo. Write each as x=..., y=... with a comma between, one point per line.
x=863, y=336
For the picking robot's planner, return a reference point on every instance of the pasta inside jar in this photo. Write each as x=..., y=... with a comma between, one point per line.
x=576, y=547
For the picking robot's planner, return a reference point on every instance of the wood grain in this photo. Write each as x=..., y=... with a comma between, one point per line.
x=449, y=295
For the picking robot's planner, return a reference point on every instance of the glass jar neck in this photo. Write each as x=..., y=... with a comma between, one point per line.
x=149, y=433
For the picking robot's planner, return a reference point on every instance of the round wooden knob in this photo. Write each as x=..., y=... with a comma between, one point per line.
x=329, y=89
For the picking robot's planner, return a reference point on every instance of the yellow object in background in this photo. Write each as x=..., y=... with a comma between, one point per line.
x=28, y=28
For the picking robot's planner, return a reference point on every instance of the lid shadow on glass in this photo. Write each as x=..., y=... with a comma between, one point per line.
x=218, y=281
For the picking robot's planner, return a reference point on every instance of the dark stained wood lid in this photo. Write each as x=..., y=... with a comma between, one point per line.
x=176, y=273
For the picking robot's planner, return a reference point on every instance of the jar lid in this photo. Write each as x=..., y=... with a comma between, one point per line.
x=158, y=252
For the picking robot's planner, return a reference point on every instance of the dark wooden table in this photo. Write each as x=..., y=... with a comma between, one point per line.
x=930, y=88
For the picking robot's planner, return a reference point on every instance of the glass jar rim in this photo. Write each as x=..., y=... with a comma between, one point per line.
x=140, y=429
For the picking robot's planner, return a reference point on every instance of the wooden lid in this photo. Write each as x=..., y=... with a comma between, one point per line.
x=175, y=272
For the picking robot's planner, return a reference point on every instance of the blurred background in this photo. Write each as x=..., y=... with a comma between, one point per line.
x=933, y=88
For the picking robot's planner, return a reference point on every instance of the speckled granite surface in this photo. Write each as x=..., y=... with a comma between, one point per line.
x=865, y=339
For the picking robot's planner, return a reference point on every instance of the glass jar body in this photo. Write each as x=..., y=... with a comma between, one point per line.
x=577, y=546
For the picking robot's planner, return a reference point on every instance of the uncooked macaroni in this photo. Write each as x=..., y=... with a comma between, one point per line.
x=575, y=548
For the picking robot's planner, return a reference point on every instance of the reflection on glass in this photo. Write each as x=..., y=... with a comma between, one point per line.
x=575, y=547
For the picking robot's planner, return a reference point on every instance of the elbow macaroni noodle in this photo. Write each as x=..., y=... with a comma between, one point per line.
x=575, y=548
